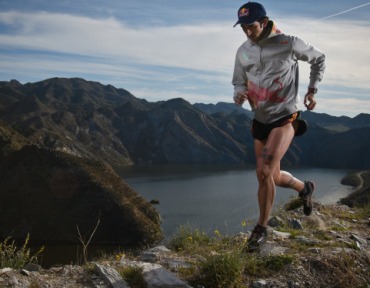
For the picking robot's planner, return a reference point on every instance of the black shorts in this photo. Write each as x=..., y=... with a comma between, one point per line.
x=261, y=131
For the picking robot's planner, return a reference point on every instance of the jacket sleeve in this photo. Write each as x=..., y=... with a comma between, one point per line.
x=306, y=52
x=240, y=79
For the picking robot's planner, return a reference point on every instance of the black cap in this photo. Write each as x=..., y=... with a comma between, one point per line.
x=250, y=13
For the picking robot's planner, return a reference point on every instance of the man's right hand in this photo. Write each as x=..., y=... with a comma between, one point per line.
x=240, y=98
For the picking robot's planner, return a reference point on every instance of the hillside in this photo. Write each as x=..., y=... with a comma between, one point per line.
x=48, y=194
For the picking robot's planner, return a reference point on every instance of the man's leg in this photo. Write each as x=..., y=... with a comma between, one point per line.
x=305, y=189
x=268, y=157
x=286, y=180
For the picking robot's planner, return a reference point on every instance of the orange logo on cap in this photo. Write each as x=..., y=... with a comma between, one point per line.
x=244, y=12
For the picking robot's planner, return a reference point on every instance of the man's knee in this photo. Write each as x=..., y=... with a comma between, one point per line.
x=264, y=172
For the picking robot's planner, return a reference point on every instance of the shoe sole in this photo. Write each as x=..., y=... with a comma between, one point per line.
x=255, y=247
x=307, y=204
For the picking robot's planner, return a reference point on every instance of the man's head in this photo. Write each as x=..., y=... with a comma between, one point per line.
x=252, y=18
x=250, y=13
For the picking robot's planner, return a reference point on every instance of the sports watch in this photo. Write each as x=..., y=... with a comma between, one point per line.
x=312, y=91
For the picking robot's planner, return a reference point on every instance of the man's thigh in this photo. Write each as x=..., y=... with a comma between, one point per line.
x=278, y=143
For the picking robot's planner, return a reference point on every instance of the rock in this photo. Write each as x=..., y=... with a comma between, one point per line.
x=282, y=235
x=337, y=250
x=260, y=284
x=293, y=284
x=25, y=272
x=158, y=277
x=5, y=270
x=32, y=267
x=14, y=281
x=275, y=221
x=110, y=276
x=295, y=224
x=315, y=250
x=306, y=240
x=175, y=264
x=271, y=249
x=358, y=239
x=315, y=220
x=154, y=254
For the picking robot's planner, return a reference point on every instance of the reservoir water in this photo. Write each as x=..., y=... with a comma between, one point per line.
x=207, y=197
x=214, y=197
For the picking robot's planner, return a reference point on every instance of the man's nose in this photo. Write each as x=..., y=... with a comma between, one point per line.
x=248, y=32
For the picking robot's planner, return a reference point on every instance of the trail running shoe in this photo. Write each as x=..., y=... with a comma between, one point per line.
x=306, y=196
x=258, y=237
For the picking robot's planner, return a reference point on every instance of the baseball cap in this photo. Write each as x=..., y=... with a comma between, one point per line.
x=250, y=13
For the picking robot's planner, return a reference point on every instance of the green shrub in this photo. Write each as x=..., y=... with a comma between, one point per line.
x=133, y=276
x=261, y=266
x=294, y=203
x=277, y=262
x=188, y=237
x=13, y=257
x=221, y=270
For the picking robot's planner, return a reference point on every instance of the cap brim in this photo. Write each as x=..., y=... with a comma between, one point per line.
x=244, y=22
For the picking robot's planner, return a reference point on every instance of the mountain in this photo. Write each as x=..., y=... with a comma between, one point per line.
x=95, y=121
x=223, y=107
x=87, y=119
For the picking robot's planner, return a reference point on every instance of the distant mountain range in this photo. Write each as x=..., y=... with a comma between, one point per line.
x=95, y=121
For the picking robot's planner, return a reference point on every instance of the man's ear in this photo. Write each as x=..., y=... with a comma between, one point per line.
x=264, y=23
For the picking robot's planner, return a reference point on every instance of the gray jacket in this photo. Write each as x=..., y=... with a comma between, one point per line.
x=269, y=71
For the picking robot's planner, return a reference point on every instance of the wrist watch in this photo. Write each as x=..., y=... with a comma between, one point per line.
x=312, y=91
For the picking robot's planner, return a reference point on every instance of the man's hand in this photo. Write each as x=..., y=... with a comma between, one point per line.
x=309, y=101
x=240, y=98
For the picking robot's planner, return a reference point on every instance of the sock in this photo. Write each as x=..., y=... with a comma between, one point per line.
x=303, y=192
x=261, y=228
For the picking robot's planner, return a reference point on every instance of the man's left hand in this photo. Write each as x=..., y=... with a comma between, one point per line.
x=309, y=101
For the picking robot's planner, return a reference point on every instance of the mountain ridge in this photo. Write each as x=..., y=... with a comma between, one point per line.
x=89, y=119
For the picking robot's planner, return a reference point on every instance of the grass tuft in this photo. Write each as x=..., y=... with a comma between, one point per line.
x=188, y=238
x=13, y=257
x=221, y=270
x=133, y=276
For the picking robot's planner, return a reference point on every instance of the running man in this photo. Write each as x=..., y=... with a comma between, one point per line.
x=266, y=75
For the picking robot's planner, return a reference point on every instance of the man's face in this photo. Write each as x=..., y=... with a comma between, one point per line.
x=253, y=31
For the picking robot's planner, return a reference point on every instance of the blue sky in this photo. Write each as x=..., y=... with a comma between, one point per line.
x=165, y=49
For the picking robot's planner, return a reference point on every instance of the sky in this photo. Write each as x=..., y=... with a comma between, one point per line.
x=165, y=49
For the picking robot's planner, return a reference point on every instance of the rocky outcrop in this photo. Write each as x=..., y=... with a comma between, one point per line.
x=48, y=194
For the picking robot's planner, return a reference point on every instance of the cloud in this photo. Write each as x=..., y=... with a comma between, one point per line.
x=343, y=107
x=345, y=45
x=166, y=60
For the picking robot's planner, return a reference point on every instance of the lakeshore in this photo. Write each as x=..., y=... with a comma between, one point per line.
x=331, y=250
x=361, y=183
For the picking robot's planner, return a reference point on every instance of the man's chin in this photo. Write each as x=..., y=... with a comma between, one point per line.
x=253, y=39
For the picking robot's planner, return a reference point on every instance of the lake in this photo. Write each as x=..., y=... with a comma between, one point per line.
x=218, y=197
x=207, y=197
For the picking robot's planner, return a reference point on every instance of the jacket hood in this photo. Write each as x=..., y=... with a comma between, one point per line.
x=271, y=30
